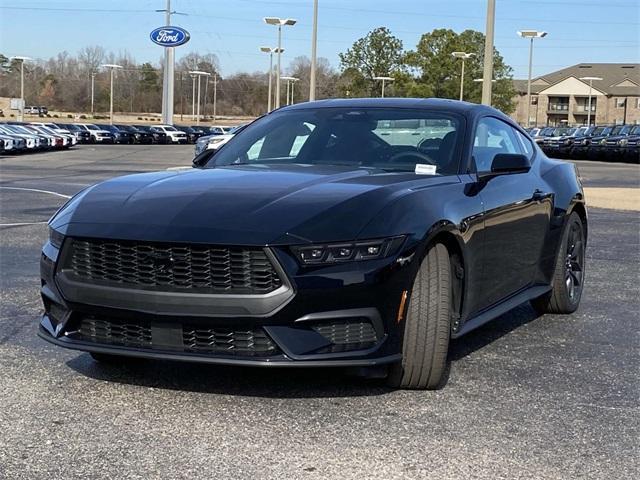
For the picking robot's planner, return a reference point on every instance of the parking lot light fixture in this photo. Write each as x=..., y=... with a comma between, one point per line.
x=290, y=83
x=530, y=34
x=112, y=67
x=384, y=80
x=590, y=80
x=21, y=60
x=270, y=51
x=462, y=56
x=279, y=22
x=198, y=74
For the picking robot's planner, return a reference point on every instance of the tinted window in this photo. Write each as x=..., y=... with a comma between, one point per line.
x=493, y=136
x=389, y=139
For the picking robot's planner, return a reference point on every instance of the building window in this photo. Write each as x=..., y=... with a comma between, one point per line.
x=620, y=101
x=638, y=102
x=619, y=121
x=534, y=100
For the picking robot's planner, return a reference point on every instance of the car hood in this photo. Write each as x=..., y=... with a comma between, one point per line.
x=238, y=205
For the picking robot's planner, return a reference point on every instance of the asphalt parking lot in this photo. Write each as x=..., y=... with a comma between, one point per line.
x=528, y=398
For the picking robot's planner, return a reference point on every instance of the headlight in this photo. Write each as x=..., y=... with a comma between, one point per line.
x=213, y=141
x=348, y=251
x=55, y=238
x=623, y=142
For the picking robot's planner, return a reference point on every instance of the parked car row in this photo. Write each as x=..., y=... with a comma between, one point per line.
x=620, y=143
x=17, y=137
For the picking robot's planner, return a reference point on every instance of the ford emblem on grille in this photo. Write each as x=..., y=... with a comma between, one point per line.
x=162, y=262
x=169, y=36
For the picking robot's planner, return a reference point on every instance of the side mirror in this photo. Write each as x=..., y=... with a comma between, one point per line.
x=201, y=159
x=506, y=164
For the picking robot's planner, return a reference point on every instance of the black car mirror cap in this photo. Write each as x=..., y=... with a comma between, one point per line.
x=202, y=158
x=506, y=164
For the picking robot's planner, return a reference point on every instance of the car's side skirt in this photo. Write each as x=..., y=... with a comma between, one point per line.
x=501, y=308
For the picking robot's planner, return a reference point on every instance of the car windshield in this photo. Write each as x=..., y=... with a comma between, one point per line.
x=170, y=129
x=92, y=127
x=389, y=139
x=635, y=130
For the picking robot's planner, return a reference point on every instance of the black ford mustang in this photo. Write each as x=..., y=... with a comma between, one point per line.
x=361, y=233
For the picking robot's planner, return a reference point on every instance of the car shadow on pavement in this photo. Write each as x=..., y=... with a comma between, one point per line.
x=279, y=382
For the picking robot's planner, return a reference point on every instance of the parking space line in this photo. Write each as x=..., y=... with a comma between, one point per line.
x=38, y=191
x=23, y=224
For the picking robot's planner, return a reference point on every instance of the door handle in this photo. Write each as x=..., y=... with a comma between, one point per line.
x=538, y=195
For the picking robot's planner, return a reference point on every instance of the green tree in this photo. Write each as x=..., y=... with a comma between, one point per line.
x=379, y=53
x=438, y=72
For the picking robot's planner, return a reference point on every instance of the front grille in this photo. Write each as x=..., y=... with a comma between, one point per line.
x=108, y=332
x=227, y=341
x=347, y=334
x=223, y=341
x=173, y=267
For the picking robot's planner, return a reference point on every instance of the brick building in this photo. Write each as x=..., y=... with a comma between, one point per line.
x=561, y=98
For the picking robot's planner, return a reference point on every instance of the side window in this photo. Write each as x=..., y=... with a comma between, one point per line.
x=526, y=145
x=493, y=136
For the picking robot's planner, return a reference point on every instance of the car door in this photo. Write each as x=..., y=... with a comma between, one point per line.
x=516, y=213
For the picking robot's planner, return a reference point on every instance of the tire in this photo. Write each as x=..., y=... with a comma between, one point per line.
x=428, y=324
x=568, y=277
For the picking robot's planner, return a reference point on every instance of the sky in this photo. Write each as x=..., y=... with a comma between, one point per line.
x=579, y=30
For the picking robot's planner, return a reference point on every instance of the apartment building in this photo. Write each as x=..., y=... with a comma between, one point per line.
x=562, y=97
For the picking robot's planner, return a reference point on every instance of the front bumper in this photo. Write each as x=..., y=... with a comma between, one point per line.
x=306, y=326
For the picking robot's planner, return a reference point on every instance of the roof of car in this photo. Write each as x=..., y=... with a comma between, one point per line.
x=439, y=103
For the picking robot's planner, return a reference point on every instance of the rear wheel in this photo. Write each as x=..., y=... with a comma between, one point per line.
x=427, y=329
x=568, y=278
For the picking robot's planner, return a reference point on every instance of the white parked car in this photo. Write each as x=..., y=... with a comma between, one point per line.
x=98, y=135
x=173, y=134
x=214, y=142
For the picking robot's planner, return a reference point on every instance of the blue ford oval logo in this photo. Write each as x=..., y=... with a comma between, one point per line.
x=169, y=36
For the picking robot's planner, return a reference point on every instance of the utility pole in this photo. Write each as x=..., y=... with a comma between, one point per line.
x=314, y=44
x=204, y=103
x=487, y=75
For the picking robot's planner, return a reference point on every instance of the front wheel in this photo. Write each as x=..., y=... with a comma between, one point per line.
x=427, y=328
x=568, y=277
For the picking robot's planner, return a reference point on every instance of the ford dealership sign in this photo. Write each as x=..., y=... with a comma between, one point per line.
x=170, y=36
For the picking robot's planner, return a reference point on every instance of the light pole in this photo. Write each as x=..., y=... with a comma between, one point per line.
x=112, y=67
x=198, y=73
x=215, y=94
x=290, y=83
x=270, y=51
x=22, y=60
x=487, y=73
x=93, y=81
x=279, y=22
x=590, y=79
x=384, y=80
x=463, y=56
x=531, y=34
x=193, y=97
x=314, y=45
